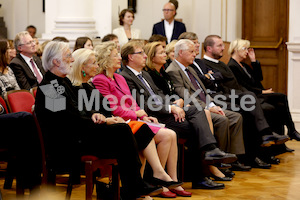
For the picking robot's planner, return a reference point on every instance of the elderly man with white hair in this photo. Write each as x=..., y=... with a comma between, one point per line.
x=227, y=124
x=70, y=132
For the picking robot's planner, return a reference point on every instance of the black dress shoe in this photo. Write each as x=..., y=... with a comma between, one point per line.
x=222, y=165
x=295, y=135
x=237, y=166
x=216, y=178
x=146, y=189
x=258, y=163
x=228, y=173
x=289, y=149
x=273, y=160
x=218, y=156
x=167, y=184
x=207, y=183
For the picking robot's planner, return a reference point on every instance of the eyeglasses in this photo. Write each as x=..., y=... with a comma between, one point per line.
x=140, y=52
x=167, y=10
x=28, y=43
x=244, y=48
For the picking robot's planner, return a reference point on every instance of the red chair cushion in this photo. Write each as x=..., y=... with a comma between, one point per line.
x=20, y=101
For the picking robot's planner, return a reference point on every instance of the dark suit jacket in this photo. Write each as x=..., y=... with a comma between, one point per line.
x=208, y=83
x=159, y=29
x=252, y=83
x=134, y=83
x=229, y=81
x=25, y=77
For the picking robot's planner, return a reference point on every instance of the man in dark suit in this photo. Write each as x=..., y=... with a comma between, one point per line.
x=169, y=27
x=187, y=122
x=80, y=133
x=213, y=46
x=227, y=124
x=26, y=66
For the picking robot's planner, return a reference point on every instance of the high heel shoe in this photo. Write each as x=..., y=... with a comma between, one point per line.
x=182, y=193
x=167, y=184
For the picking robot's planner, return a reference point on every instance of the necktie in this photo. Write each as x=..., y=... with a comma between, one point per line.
x=195, y=84
x=157, y=101
x=37, y=74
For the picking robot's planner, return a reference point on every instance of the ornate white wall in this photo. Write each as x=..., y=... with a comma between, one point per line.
x=294, y=61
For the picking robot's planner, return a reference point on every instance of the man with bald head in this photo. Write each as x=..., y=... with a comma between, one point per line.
x=169, y=27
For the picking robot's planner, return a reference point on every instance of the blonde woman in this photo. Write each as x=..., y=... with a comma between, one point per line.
x=84, y=68
x=170, y=53
x=110, y=83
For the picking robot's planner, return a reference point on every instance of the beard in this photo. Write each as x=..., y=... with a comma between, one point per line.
x=217, y=56
x=65, y=68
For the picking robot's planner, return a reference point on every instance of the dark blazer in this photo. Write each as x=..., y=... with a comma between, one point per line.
x=159, y=29
x=229, y=81
x=252, y=83
x=134, y=83
x=162, y=81
x=25, y=77
x=208, y=83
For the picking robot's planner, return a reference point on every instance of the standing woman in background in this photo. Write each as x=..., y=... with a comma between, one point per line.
x=125, y=32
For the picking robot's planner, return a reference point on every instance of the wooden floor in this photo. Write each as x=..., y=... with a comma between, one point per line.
x=280, y=182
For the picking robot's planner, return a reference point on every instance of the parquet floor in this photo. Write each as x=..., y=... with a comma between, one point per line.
x=280, y=182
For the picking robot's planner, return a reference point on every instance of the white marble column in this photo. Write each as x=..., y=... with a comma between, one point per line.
x=294, y=61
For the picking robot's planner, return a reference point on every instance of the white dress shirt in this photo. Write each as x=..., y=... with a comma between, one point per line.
x=169, y=29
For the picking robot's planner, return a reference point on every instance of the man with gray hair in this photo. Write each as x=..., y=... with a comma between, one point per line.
x=70, y=133
x=26, y=66
x=227, y=124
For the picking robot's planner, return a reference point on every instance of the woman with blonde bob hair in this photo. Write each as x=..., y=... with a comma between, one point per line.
x=110, y=83
x=251, y=77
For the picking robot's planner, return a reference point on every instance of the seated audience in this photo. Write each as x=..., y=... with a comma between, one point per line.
x=214, y=47
x=83, y=42
x=158, y=38
x=183, y=120
x=126, y=32
x=156, y=58
x=251, y=77
x=60, y=39
x=170, y=53
x=84, y=130
x=26, y=66
x=7, y=78
x=114, y=38
x=31, y=30
x=11, y=50
x=110, y=83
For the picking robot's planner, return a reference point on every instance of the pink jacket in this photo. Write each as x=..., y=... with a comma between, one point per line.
x=118, y=94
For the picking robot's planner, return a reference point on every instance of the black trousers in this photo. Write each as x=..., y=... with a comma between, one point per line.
x=19, y=135
x=281, y=111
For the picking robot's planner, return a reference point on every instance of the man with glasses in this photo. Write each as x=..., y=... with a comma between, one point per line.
x=26, y=66
x=169, y=27
x=188, y=122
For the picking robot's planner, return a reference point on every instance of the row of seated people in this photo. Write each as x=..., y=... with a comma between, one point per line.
x=267, y=140
x=87, y=123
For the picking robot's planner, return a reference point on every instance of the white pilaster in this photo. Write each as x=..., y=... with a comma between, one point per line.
x=294, y=61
